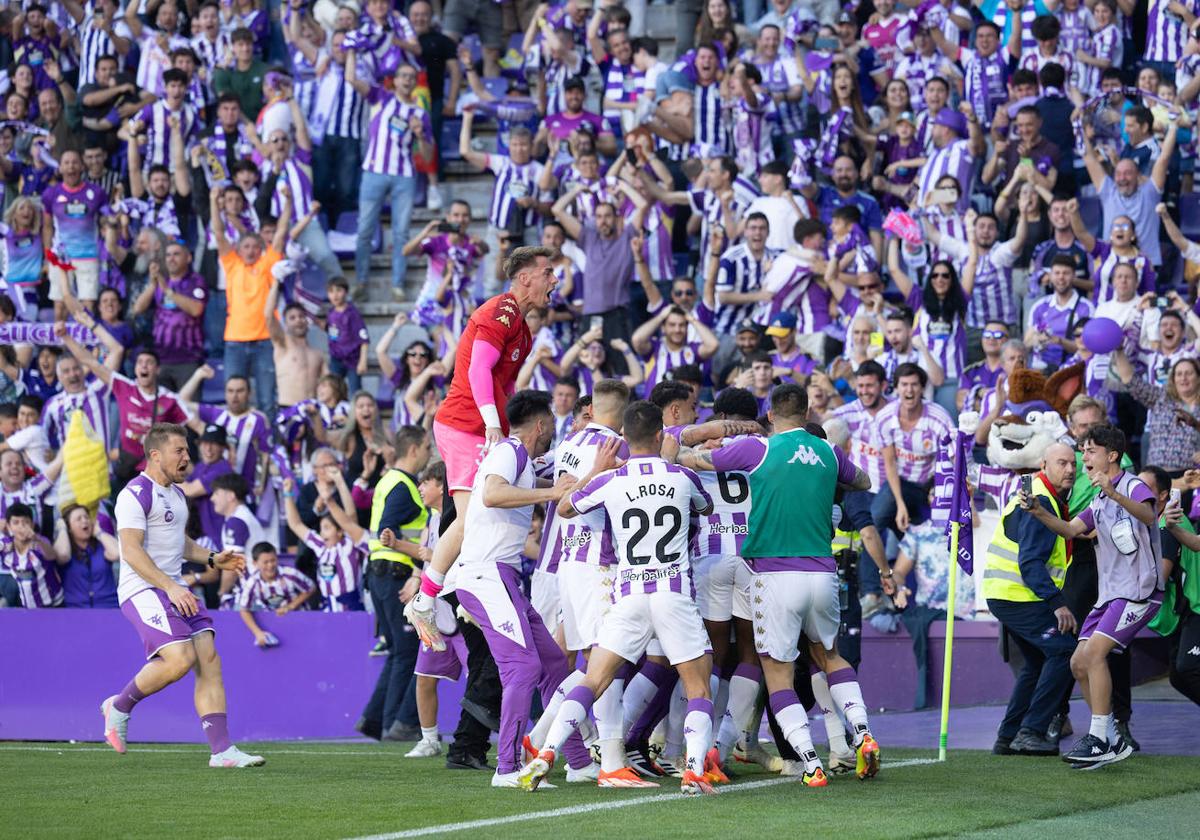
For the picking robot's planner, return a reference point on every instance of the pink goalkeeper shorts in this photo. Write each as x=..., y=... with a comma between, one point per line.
x=462, y=452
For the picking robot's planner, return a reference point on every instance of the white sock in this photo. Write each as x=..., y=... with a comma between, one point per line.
x=571, y=713
x=720, y=699
x=847, y=696
x=538, y=735
x=793, y=720
x=1101, y=726
x=422, y=602
x=430, y=733
x=609, y=721
x=697, y=731
x=835, y=730
x=639, y=691
x=743, y=694
x=675, y=723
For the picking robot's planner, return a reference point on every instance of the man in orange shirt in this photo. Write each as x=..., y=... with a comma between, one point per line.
x=248, y=282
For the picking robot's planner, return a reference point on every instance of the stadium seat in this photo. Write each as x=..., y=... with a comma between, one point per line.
x=1189, y=215
x=1092, y=213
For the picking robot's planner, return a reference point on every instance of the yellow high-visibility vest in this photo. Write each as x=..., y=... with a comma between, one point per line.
x=1002, y=574
x=409, y=531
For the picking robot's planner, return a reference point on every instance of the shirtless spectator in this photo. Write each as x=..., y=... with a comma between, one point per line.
x=298, y=365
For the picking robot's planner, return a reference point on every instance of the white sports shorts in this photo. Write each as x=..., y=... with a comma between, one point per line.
x=714, y=576
x=787, y=604
x=584, y=595
x=671, y=617
x=543, y=593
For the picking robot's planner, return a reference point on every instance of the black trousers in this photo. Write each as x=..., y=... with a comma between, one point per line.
x=1080, y=590
x=1185, y=662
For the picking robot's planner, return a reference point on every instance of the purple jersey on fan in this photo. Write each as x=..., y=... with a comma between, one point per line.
x=389, y=150
x=347, y=333
x=339, y=568
x=1166, y=31
x=258, y=595
x=724, y=529
x=178, y=336
x=647, y=504
x=797, y=290
x=58, y=411
x=154, y=119
x=250, y=432
x=74, y=213
x=210, y=521
x=662, y=359
x=35, y=572
x=584, y=539
x=918, y=449
x=947, y=341
x=797, y=361
x=1106, y=259
x=1049, y=317
x=864, y=448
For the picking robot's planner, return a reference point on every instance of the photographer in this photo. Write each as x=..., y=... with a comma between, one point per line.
x=1025, y=568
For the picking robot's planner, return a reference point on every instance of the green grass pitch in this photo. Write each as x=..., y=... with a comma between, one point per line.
x=360, y=790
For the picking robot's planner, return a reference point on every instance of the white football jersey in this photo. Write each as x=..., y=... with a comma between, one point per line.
x=161, y=513
x=497, y=535
x=580, y=539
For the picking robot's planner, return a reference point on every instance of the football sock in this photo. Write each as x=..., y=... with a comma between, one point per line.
x=574, y=709
x=430, y=733
x=743, y=694
x=216, y=729
x=640, y=691
x=609, y=719
x=678, y=711
x=793, y=720
x=538, y=735
x=843, y=688
x=128, y=698
x=697, y=732
x=835, y=730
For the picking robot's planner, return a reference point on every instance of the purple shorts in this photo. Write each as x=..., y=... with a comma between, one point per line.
x=446, y=664
x=1120, y=620
x=159, y=624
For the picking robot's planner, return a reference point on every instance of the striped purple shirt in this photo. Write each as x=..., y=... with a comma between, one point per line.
x=389, y=148
x=257, y=595
x=739, y=272
x=1105, y=259
x=1165, y=31
x=297, y=173
x=30, y=493
x=953, y=159
x=992, y=297
x=662, y=359
x=648, y=504
x=178, y=337
x=92, y=400
x=339, y=568
x=251, y=431
x=947, y=341
x=724, y=530
x=513, y=181
x=864, y=449
x=35, y=571
x=917, y=450
x=153, y=118
x=796, y=290
x=1107, y=43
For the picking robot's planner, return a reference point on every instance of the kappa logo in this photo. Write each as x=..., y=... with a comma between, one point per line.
x=515, y=354
x=506, y=627
x=758, y=615
x=1132, y=616
x=1195, y=651
x=156, y=620
x=806, y=455
x=504, y=319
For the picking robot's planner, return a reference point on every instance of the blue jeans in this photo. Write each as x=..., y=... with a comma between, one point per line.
x=254, y=360
x=372, y=191
x=1046, y=675
x=945, y=395
x=214, y=321
x=337, y=163
x=313, y=238
x=883, y=512
x=348, y=372
x=394, y=696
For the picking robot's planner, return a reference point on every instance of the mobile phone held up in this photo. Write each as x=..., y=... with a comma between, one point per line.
x=1027, y=486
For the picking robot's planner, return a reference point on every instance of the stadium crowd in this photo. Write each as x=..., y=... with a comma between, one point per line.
x=892, y=205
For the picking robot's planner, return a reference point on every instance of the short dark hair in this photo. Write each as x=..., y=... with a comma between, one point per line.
x=737, y=404
x=407, y=437
x=687, y=373
x=8, y=409
x=261, y=548
x=235, y=483
x=849, y=213
x=789, y=400
x=339, y=281
x=242, y=34
x=940, y=80
x=758, y=217
x=31, y=401
x=1052, y=75
x=160, y=433
x=584, y=402
x=19, y=510
x=525, y=256
x=901, y=313
x=1172, y=313
x=643, y=420
x=1064, y=260
x=775, y=167
x=910, y=369
x=569, y=381
x=1141, y=116
x=527, y=405
x=872, y=368
x=1106, y=436
x=669, y=391
x=228, y=96
x=1029, y=111
x=757, y=357
x=645, y=43
x=1162, y=479
x=435, y=472
x=1045, y=28
x=988, y=25
x=146, y=351
x=806, y=228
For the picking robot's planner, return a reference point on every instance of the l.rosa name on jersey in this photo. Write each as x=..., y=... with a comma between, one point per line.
x=662, y=491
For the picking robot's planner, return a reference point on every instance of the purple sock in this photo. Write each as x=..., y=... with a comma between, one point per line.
x=216, y=729
x=128, y=698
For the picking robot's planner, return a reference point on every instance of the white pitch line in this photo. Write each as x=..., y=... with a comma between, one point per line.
x=198, y=749
x=575, y=810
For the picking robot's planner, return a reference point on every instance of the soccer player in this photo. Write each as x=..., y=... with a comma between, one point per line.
x=488, y=581
x=649, y=502
x=492, y=349
x=1128, y=554
x=584, y=559
x=795, y=583
x=177, y=632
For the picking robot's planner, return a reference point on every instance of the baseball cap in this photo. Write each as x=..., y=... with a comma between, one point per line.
x=782, y=324
x=844, y=17
x=215, y=434
x=953, y=120
x=907, y=116
x=746, y=325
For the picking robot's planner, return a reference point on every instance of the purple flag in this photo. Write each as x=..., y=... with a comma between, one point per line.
x=952, y=492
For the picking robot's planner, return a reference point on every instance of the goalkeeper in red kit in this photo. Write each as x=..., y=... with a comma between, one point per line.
x=492, y=349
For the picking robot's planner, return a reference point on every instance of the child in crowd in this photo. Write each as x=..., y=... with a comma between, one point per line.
x=29, y=559
x=271, y=587
x=347, y=334
x=341, y=545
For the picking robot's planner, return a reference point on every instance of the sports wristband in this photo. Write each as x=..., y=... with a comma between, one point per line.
x=429, y=587
x=491, y=417
x=212, y=560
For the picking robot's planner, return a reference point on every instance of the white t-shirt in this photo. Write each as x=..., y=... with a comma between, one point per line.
x=161, y=513
x=781, y=216
x=497, y=535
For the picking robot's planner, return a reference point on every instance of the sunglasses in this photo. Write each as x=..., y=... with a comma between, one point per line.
x=1122, y=226
x=995, y=334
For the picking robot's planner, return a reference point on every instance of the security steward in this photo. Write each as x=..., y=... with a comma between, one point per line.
x=391, y=713
x=1025, y=568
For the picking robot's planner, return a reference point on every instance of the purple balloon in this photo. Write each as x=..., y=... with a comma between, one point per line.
x=1102, y=335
